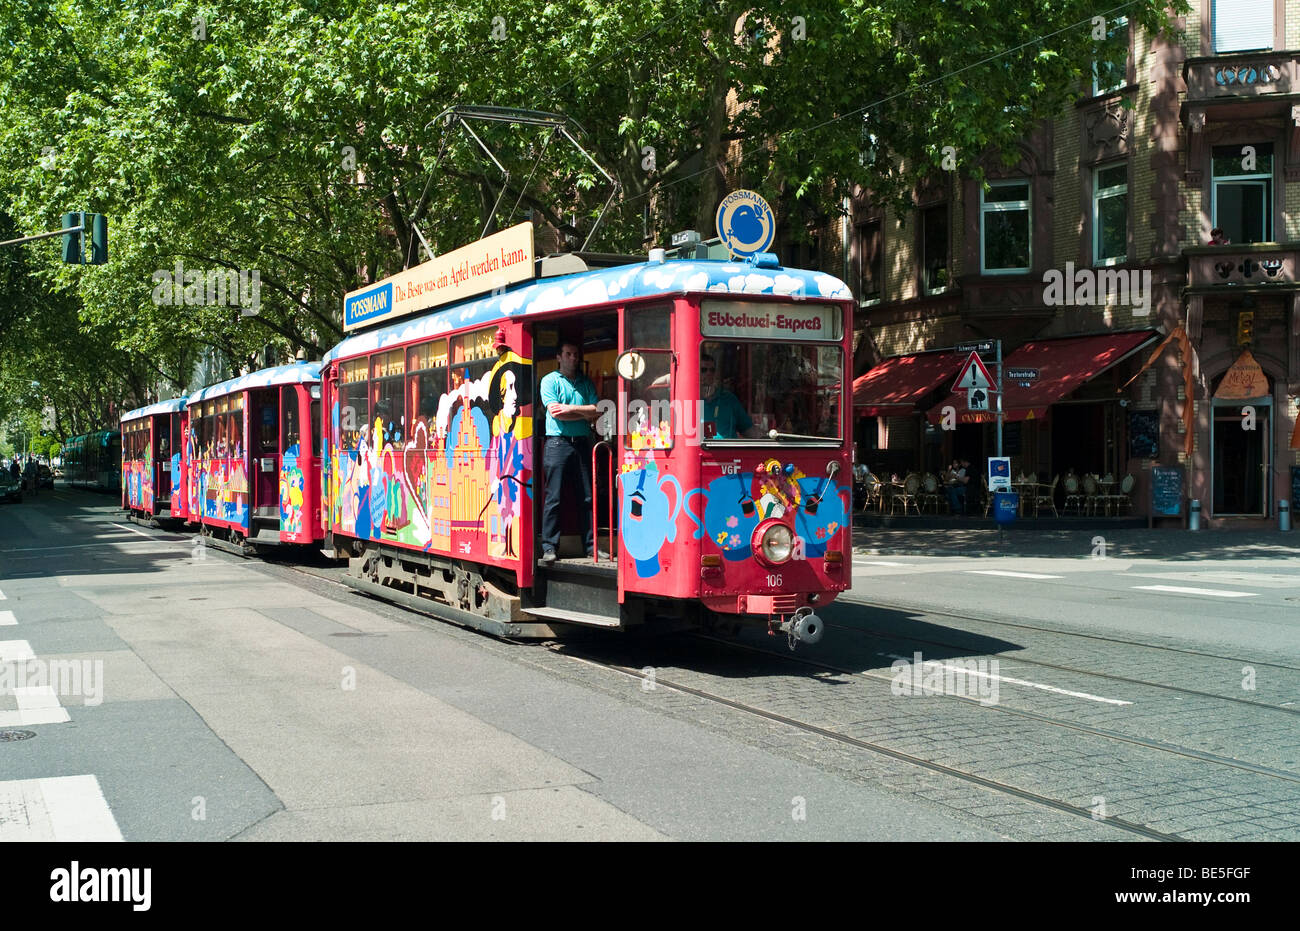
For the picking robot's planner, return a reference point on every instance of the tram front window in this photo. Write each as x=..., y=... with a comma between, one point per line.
x=791, y=388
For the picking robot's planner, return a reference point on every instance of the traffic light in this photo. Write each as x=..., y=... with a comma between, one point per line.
x=71, y=241
x=94, y=232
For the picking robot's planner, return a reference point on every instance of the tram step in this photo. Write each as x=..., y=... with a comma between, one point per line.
x=575, y=617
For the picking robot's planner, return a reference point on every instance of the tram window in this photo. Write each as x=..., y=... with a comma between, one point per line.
x=389, y=411
x=792, y=388
x=315, y=427
x=472, y=355
x=354, y=401
x=289, y=424
x=649, y=410
x=426, y=384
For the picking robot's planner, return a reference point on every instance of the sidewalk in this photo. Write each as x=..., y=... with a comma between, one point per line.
x=1029, y=541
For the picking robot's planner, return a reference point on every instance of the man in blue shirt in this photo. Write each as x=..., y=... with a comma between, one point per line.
x=569, y=399
x=721, y=412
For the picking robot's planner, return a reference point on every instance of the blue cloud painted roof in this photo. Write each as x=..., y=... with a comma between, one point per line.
x=175, y=405
x=599, y=287
x=298, y=373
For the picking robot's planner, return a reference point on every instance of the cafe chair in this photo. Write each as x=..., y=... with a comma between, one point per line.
x=1046, y=497
x=988, y=495
x=1091, y=492
x=907, y=494
x=875, y=492
x=1072, y=495
x=931, y=493
x=1124, y=497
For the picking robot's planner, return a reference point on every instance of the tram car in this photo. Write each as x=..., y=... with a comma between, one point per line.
x=710, y=515
x=154, y=467
x=254, y=473
x=94, y=460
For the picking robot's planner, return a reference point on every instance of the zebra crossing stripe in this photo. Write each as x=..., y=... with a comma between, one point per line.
x=58, y=808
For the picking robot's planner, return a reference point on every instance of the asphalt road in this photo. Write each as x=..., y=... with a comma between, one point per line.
x=222, y=698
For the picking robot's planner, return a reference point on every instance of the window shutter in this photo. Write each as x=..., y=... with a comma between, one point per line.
x=1241, y=25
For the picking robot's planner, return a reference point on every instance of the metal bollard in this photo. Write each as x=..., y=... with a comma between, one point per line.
x=1284, y=515
x=1194, y=515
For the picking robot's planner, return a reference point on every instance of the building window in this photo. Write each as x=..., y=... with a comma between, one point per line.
x=1242, y=197
x=1110, y=214
x=1110, y=69
x=1004, y=228
x=1242, y=25
x=934, y=248
x=871, y=250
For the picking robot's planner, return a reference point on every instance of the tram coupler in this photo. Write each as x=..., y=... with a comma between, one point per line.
x=803, y=626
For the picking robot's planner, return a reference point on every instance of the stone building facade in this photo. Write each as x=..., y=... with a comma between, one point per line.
x=1166, y=197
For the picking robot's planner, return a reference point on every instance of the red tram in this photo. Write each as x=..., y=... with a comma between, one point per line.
x=154, y=466
x=254, y=476
x=432, y=454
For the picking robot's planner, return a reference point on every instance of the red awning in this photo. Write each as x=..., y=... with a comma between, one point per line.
x=1063, y=365
x=894, y=387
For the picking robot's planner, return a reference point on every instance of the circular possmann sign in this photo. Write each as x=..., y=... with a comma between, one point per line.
x=745, y=223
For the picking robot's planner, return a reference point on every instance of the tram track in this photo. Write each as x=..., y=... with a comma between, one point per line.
x=1128, y=680
x=1122, y=824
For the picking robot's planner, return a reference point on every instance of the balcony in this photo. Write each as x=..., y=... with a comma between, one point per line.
x=1258, y=267
x=1230, y=78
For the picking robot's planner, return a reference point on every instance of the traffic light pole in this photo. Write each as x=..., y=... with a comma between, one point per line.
x=70, y=229
x=998, y=366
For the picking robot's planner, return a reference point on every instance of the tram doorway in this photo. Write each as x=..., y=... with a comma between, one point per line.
x=596, y=336
x=264, y=459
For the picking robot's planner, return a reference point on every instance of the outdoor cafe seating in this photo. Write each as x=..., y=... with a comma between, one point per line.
x=924, y=493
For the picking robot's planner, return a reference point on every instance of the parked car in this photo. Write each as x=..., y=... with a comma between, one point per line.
x=11, y=489
x=45, y=477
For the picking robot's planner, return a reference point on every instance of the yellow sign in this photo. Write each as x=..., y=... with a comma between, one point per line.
x=501, y=259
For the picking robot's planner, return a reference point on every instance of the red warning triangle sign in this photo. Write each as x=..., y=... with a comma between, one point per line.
x=974, y=374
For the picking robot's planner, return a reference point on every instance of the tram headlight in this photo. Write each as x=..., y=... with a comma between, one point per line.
x=775, y=543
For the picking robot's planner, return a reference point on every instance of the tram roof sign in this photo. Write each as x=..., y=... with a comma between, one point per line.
x=492, y=263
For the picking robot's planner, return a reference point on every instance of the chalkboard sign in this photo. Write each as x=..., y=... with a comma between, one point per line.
x=1143, y=434
x=1166, y=492
x=1295, y=485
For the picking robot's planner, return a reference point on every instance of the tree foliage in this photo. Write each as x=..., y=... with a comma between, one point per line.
x=299, y=138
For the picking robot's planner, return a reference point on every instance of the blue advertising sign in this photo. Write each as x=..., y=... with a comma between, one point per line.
x=358, y=308
x=746, y=224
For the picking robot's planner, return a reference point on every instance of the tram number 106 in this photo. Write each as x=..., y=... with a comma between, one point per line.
x=774, y=581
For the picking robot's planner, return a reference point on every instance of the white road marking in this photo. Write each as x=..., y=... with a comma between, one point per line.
x=873, y=562
x=15, y=651
x=999, y=678
x=7, y=619
x=1181, y=590
x=1013, y=575
x=36, y=705
x=147, y=536
x=60, y=808
x=2, y=596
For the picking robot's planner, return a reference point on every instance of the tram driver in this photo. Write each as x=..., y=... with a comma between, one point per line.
x=721, y=412
x=570, y=401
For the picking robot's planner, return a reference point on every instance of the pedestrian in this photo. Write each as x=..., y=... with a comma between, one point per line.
x=956, y=480
x=569, y=398
x=16, y=470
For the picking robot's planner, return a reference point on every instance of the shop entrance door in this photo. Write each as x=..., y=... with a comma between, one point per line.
x=1241, y=464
